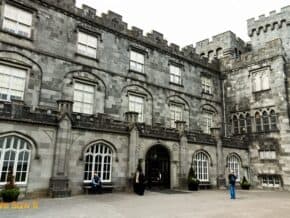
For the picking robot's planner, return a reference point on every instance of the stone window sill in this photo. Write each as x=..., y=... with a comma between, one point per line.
x=261, y=91
x=17, y=35
x=176, y=84
x=206, y=93
x=88, y=57
x=137, y=72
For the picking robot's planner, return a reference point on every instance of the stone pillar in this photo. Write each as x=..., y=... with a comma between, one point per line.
x=217, y=134
x=65, y=106
x=17, y=108
x=59, y=182
x=132, y=118
x=183, y=154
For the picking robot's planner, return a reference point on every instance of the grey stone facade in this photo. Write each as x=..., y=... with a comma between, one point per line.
x=59, y=137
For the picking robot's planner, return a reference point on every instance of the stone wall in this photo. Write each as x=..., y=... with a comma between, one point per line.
x=268, y=28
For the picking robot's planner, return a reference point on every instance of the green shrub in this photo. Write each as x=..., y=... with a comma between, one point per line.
x=10, y=195
x=11, y=191
x=245, y=184
x=192, y=181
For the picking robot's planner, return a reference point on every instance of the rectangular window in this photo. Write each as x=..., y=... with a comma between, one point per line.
x=260, y=80
x=137, y=61
x=83, y=98
x=206, y=84
x=207, y=121
x=175, y=74
x=87, y=44
x=136, y=104
x=12, y=83
x=175, y=114
x=17, y=21
x=267, y=155
x=271, y=181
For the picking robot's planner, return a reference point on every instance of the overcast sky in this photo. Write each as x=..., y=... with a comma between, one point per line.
x=185, y=22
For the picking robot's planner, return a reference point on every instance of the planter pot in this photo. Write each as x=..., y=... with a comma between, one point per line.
x=10, y=195
x=245, y=187
x=193, y=187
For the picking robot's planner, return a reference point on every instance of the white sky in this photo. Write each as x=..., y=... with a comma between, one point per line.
x=185, y=22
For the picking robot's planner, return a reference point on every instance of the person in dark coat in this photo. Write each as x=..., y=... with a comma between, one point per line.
x=139, y=186
x=232, y=183
x=96, y=184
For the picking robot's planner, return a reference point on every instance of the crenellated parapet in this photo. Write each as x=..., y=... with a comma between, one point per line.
x=275, y=21
x=224, y=44
x=113, y=22
x=271, y=49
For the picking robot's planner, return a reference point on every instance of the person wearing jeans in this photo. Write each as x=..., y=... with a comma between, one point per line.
x=232, y=182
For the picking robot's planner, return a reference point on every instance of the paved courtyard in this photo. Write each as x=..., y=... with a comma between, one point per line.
x=207, y=204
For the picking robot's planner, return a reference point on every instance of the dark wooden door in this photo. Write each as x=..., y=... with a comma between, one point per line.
x=158, y=167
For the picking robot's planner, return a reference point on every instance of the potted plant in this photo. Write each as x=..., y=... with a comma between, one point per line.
x=193, y=182
x=11, y=191
x=245, y=184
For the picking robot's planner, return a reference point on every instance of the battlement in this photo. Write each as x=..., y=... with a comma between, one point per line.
x=113, y=22
x=225, y=36
x=274, y=21
x=271, y=49
x=223, y=44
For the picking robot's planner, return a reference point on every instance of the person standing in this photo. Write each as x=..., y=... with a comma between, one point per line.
x=96, y=184
x=232, y=182
x=139, y=182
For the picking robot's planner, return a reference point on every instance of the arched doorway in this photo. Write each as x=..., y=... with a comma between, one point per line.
x=158, y=167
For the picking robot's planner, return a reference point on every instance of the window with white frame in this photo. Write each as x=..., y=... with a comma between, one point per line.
x=201, y=165
x=175, y=114
x=137, y=61
x=12, y=83
x=83, y=98
x=206, y=85
x=271, y=181
x=260, y=80
x=98, y=159
x=175, y=74
x=136, y=104
x=267, y=152
x=14, y=157
x=207, y=121
x=234, y=165
x=87, y=44
x=17, y=21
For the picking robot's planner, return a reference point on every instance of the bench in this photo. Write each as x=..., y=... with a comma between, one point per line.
x=205, y=185
x=106, y=187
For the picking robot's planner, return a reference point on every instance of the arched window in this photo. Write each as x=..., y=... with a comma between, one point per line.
x=248, y=123
x=235, y=124
x=258, y=122
x=201, y=165
x=266, y=125
x=242, y=124
x=14, y=156
x=219, y=52
x=273, y=120
x=234, y=165
x=98, y=158
x=210, y=55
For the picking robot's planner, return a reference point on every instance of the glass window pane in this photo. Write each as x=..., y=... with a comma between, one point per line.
x=83, y=98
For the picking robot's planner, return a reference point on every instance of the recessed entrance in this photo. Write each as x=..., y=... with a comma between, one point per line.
x=158, y=167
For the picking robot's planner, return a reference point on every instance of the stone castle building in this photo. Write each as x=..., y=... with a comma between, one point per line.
x=82, y=93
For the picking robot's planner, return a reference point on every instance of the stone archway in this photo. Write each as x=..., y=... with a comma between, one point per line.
x=158, y=167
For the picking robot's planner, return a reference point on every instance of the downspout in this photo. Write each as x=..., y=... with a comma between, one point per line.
x=224, y=106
